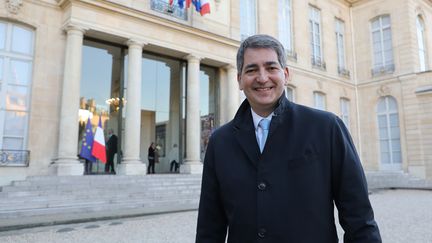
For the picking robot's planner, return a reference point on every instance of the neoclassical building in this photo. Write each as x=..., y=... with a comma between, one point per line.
x=152, y=72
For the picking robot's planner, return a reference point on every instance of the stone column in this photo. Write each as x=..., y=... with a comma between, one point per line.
x=131, y=162
x=192, y=164
x=233, y=94
x=67, y=162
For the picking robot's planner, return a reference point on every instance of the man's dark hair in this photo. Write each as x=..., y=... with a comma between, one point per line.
x=260, y=41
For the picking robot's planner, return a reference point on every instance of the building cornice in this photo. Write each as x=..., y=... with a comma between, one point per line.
x=141, y=15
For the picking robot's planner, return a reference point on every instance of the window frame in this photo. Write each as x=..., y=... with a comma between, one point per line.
x=8, y=56
x=317, y=94
x=315, y=31
x=345, y=104
x=391, y=164
x=382, y=66
x=421, y=43
x=285, y=25
x=248, y=12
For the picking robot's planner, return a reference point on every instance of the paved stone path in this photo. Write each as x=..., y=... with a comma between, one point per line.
x=404, y=216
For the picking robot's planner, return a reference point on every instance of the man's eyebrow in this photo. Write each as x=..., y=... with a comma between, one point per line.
x=252, y=65
x=270, y=63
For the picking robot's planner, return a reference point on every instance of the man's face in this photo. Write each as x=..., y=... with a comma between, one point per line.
x=262, y=79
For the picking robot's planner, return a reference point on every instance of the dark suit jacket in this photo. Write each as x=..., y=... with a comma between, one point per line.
x=111, y=144
x=287, y=193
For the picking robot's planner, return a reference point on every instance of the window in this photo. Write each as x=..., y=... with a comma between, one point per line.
x=421, y=43
x=319, y=101
x=247, y=18
x=389, y=134
x=16, y=63
x=285, y=25
x=382, y=45
x=290, y=94
x=340, y=46
x=315, y=34
x=344, y=109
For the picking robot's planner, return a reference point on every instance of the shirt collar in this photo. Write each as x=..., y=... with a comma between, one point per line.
x=257, y=118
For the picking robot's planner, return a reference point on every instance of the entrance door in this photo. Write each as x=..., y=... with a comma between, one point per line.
x=101, y=97
x=161, y=110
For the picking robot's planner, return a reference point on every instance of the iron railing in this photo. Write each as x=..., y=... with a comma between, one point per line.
x=9, y=157
x=171, y=10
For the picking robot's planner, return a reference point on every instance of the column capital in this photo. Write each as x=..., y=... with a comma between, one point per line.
x=230, y=67
x=74, y=28
x=193, y=58
x=135, y=43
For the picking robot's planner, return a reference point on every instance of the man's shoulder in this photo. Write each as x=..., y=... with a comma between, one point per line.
x=302, y=112
x=309, y=111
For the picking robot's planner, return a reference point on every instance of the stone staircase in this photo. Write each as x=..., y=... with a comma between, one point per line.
x=395, y=179
x=47, y=200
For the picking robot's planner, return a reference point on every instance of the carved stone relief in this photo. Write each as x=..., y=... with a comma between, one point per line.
x=13, y=6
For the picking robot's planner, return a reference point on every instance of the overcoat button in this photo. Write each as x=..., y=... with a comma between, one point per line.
x=262, y=186
x=262, y=232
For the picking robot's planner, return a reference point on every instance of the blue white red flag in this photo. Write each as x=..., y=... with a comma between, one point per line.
x=87, y=143
x=99, y=150
x=202, y=6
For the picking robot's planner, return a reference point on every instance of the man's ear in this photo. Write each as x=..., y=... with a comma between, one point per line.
x=286, y=74
x=239, y=81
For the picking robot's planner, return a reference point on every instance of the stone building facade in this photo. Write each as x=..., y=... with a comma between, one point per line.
x=157, y=73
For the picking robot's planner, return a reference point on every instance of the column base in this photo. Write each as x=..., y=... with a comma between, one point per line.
x=191, y=168
x=132, y=168
x=69, y=167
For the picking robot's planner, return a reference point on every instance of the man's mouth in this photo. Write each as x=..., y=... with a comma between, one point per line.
x=263, y=89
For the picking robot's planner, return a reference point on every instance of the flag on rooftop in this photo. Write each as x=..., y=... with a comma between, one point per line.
x=99, y=150
x=201, y=6
x=87, y=143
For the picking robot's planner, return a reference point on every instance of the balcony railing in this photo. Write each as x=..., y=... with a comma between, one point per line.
x=389, y=68
x=14, y=157
x=171, y=10
x=343, y=72
x=318, y=63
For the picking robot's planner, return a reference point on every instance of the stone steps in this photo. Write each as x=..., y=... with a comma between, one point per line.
x=395, y=179
x=45, y=200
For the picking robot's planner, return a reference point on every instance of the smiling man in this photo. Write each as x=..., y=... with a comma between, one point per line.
x=276, y=171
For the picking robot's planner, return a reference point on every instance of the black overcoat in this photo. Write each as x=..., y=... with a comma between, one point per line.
x=287, y=193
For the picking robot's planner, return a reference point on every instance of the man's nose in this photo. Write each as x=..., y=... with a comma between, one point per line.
x=262, y=77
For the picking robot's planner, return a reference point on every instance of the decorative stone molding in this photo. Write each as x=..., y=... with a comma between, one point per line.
x=319, y=84
x=383, y=90
x=13, y=6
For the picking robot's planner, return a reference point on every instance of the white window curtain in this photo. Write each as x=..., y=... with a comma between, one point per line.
x=285, y=24
x=340, y=46
x=315, y=35
x=247, y=18
x=389, y=133
x=16, y=62
x=319, y=101
x=345, y=110
x=382, y=45
x=290, y=94
x=421, y=43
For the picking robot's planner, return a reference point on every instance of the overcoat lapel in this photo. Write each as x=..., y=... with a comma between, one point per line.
x=244, y=132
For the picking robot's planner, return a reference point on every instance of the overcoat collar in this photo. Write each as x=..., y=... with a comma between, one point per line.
x=244, y=129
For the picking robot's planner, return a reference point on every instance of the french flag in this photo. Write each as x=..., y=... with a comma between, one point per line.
x=181, y=3
x=202, y=6
x=98, y=149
